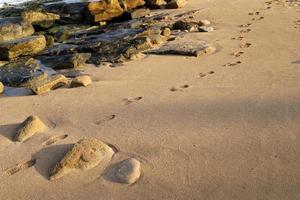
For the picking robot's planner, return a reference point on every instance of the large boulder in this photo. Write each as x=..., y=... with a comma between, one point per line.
x=12, y=28
x=104, y=10
x=21, y=47
x=40, y=19
x=131, y=4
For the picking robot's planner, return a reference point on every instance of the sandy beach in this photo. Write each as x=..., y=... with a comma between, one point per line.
x=219, y=126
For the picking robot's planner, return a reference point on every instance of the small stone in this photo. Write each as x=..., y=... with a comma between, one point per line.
x=48, y=84
x=1, y=88
x=127, y=171
x=85, y=154
x=175, y=4
x=204, y=22
x=206, y=29
x=157, y=39
x=137, y=56
x=22, y=47
x=31, y=126
x=166, y=32
x=81, y=81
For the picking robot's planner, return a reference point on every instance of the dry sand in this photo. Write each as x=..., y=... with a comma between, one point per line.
x=232, y=134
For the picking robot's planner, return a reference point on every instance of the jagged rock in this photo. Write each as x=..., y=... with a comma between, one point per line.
x=46, y=85
x=20, y=47
x=104, y=10
x=69, y=61
x=174, y=4
x=81, y=81
x=1, y=88
x=85, y=154
x=185, y=47
x=12, y=28
x=16, y=73
x=59, y=49
x=31, y=126
x=41, y=19
x=131, y=4
x=127, y=171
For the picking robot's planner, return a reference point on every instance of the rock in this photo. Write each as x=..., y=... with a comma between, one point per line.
x=186, y=25
x=157, y=39
x=12, y=28
x=206, y=29
x=18, y=72
x=20, y=47
x=127, y=171
x=31, y=81
x=131, y=4
x=205, y=22
x=104, y=10
x=1, y=88
x=69, y=61
x=31, y=126
x=81, y=81
x=185, y=47
x=175, y=4
x=41, y=19
x=166, y=32
x=138, y=13
x=154, y=4
x=86, y=154
x=46, y=85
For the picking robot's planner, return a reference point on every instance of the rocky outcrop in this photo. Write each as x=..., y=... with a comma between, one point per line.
x=85, y=154
x=21, y=47
x=12, y=28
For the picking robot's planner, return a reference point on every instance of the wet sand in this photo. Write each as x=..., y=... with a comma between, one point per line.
x=223, y=126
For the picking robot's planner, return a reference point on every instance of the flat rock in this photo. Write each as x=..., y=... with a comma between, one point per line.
x=41, y=19
x=21, y=47
x=81, y=81
x=86, y=154
x=185, y=48
x=127, y=171
x=31, y=126
x=12, y=28
x=46, y=85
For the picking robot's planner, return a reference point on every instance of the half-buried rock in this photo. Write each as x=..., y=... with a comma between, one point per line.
x=48, y=84
x=127, y=171
x=31, y=126
x=86, y=154
x=22, y=47
x=81, y=81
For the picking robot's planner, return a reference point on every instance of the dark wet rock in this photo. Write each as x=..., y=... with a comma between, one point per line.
x=186, y=25
x=16, y=73
x=175, y=4
x=21, y=47
x=40, y=19
x=46, y=85
x=104, y=10
x=185, y=47
x=71, y=61
x=59, y=49
x=14, y=28
x=156, y=4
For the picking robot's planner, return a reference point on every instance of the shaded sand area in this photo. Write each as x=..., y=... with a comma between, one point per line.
x=221, y=126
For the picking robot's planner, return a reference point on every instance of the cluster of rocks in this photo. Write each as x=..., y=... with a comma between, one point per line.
x=84, y=155
x=41, y=48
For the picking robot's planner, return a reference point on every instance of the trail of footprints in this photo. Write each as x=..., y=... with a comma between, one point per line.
x=85, y=154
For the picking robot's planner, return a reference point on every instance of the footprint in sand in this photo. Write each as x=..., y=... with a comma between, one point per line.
x=231, y=64
x=55, y=139
x=202, y=75
x=19, y=167
x=254, y=13
x=180, y=88
x=237, y=54
x=240, y=38
x=244, y=25
x=105, y=119
x=246, y=45
x=130, y=100
x=245, y=30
